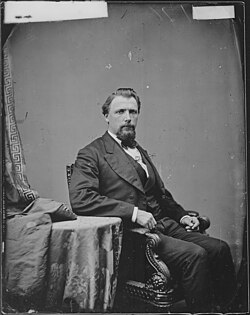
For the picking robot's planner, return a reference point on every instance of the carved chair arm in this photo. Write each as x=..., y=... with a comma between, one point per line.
x=152, y=241
x=161, y=278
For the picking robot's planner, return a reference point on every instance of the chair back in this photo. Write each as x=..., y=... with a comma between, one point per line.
x=69, y=171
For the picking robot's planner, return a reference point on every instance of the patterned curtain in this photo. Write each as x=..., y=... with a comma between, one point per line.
x=17, y=191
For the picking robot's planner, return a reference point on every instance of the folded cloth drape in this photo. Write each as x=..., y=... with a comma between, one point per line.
x=27, y=240
x=26, y=256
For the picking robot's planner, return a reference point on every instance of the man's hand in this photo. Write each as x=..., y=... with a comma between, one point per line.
x=145, y=219
x=190, y=223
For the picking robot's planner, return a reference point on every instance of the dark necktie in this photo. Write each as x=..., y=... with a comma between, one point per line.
x=128, y=144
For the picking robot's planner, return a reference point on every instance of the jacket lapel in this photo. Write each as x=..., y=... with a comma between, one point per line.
x=120, y=163
x=158, y=180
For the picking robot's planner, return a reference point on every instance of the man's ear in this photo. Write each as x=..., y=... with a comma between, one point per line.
x=106, y=118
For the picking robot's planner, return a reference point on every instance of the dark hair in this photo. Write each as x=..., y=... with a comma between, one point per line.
x=125, y=92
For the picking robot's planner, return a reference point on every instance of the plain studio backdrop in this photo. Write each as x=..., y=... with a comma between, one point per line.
x=189, y=76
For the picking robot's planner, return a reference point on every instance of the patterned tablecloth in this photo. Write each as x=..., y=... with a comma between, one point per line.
x=83, y=264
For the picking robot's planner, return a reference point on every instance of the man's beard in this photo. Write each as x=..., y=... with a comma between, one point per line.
x=127, y=135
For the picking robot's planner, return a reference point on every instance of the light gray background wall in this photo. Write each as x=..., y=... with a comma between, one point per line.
x=189, y=77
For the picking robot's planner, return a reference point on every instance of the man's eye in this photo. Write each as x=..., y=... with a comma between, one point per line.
x=121, y=111
x=132, y=112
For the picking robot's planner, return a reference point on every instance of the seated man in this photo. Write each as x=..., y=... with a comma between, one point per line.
x=114, y=176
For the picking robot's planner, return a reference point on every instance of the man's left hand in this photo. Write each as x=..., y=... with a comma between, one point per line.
x=190, y=223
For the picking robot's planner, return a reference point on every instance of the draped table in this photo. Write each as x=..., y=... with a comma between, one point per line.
x=83, y=263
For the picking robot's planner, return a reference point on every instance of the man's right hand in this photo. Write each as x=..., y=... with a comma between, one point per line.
x=145, y=219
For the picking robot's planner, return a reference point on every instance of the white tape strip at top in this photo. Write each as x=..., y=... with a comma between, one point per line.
x=213, y=12
x=44, y=11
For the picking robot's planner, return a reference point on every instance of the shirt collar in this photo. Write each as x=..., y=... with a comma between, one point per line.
x=115, y=137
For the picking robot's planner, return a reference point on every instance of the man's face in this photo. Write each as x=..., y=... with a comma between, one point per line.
x=122, y=117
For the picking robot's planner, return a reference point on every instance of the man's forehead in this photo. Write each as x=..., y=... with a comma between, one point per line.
x=123, y=101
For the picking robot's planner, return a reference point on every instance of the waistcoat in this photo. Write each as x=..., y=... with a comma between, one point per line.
x=153, y=205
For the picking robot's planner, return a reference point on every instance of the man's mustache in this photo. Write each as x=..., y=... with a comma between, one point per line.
x=128, y=126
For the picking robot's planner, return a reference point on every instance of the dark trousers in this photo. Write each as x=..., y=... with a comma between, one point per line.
x=203, y=264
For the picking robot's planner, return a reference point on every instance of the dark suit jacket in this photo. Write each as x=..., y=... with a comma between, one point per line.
x=105, y=183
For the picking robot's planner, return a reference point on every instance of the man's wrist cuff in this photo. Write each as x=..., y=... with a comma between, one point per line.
x=134, y=216
x=185, y=216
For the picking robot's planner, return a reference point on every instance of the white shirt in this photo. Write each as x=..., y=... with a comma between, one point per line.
x=133, y=152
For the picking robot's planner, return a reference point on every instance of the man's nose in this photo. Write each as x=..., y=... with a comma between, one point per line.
x=127, y=116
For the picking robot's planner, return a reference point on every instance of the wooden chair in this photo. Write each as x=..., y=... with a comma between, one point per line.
x=145, y=282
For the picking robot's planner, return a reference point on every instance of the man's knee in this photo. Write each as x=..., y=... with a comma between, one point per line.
x=224, y=247
x=221, y=248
